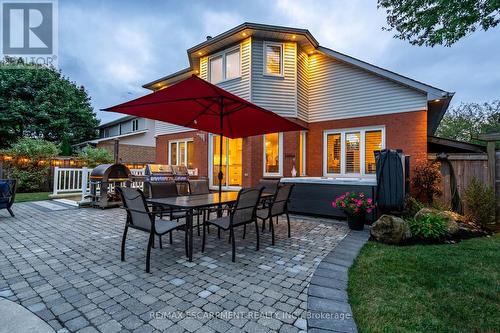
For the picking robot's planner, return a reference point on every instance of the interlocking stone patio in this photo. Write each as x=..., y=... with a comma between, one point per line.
x=65, y=267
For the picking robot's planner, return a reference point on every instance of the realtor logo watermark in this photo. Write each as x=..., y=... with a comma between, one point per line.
x=29, y=31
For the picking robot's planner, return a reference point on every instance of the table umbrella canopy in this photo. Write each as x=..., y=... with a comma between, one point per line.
x=198, y=104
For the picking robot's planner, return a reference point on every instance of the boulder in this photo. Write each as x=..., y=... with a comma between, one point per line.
x=390, y=229
x=448, y=217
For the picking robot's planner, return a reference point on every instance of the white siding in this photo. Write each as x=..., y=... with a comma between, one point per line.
x=277, y=94
x=302, y=85
x=338, y=90
x=239, y=86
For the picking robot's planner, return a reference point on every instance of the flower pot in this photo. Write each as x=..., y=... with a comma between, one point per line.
x=356, y=221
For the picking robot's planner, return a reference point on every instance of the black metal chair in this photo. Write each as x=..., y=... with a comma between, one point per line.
x=166, y=189
x=7, y=194
x=242, y=213
x=269, y=186
x=199, y=186
x=141, y=218
x=277, y=206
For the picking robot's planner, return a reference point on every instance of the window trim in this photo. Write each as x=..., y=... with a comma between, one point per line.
x=303, y=148
x=177, y=151
x=342, y=132
x=280, y=157
x=223, y=54
x=211, y=166
x=264, y=61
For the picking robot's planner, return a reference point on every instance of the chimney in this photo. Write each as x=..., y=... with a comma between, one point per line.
x=209, y=37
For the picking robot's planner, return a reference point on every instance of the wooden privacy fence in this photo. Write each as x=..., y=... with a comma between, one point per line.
x=466, y=167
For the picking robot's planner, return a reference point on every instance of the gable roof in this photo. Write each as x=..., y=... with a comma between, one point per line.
x=438, y=99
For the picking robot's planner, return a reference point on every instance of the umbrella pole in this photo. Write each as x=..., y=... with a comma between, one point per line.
x=220, y=175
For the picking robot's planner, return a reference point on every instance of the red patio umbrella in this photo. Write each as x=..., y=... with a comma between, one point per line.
x=198, y=104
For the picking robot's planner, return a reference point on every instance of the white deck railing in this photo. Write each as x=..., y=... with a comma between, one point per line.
x=76, y=180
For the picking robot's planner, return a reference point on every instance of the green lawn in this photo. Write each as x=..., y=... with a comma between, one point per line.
x=36, y=196
x=427, y=288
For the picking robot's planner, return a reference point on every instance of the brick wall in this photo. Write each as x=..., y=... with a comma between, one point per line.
x=131, y=153
x=406, y=131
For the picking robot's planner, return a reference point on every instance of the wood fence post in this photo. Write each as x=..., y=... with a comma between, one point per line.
x=491, y=139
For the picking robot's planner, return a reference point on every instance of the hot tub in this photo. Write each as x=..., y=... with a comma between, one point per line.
x=314, y=195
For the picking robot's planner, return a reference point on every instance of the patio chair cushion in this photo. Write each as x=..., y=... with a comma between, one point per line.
x=163, y=226
x=222, y=222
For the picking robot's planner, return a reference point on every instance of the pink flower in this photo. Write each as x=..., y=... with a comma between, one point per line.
x=369, y=200
x=356, y=210
x=334, y=204
x=369, y=210
x=359, y=203
x=361, y=195
x=343, y=204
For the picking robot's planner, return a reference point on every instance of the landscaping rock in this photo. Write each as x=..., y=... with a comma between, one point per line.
x=450, y=218
x=390, y=230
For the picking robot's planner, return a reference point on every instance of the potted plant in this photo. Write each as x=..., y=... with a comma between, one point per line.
x=355, y=206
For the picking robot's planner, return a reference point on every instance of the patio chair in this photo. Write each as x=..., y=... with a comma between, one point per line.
x=269, y=186
x=141, y=218
x=242, y=213
x=7, y=194
x=166, y=189
x=277, y=207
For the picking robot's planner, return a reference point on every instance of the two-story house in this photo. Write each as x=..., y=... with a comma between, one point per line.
x=136, y=139
x=350, y=108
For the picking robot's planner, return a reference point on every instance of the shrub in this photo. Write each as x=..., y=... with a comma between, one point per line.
x=94, y=156
x=30, y=164
x=480, y=202
x=412, y=206
x=426, y=180
x=429, y=227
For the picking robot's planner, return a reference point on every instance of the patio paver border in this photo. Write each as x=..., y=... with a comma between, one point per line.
x=327, y=301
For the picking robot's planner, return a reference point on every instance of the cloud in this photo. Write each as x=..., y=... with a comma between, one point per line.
x=113, y=48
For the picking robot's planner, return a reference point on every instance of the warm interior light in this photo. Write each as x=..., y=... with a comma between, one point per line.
x=244, y=34
x=293, y=37
x=200, y=53
x=436, y=100
x=311, y=52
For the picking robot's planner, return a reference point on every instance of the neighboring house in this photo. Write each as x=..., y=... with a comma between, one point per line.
x=350, y=108
x=136, y=138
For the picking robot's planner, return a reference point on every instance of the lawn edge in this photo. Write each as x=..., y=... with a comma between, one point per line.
x=327, y=299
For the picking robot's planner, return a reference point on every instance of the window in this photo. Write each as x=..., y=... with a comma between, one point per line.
x=135, y=125
x=216, y=69
x=273, y=59
x=232, y=162
x=232, y=64
x=181, y=153
x=302, y=153
x=273, y=154
x=351, y=152
x=225, y=66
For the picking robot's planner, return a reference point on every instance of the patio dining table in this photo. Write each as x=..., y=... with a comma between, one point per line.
x=190, y=203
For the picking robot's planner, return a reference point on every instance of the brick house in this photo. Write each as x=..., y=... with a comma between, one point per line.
x=350, y=108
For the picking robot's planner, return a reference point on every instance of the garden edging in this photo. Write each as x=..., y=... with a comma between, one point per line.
x=327, y=301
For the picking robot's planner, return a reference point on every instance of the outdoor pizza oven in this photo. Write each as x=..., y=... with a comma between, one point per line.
x=103, y=181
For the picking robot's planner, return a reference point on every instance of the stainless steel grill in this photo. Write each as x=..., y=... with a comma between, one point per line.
x=103, y=181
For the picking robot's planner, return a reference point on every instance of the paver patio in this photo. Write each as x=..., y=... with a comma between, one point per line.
x=65, y=267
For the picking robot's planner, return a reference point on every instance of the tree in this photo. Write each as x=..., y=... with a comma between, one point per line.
x=466, y=121
x=95, y=156
x=30, y=163
x=439, y=22
x=39, y=102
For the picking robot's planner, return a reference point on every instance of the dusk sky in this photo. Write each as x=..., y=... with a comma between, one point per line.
x=114, y=47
